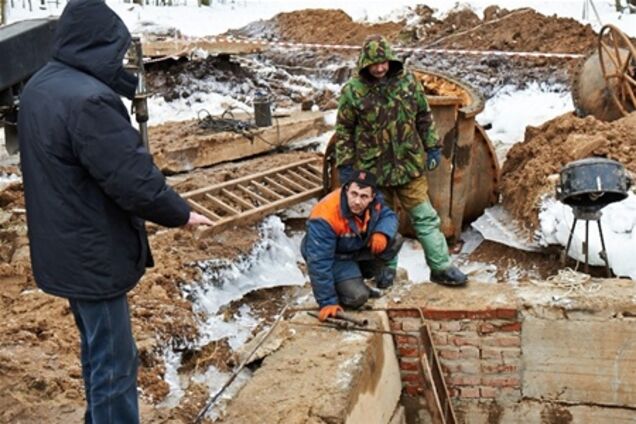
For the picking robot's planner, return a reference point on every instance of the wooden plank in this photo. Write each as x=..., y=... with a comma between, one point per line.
x=202, y=209
x=300, y=178
x=313, y=167
x=248, y=178
x=261, y=211
x=309, y=175
x=279, y=186
x=244, y=203
x=266, y=190
x=436, y=377
x=220, y=204
x=253, y=195
x=292, y=183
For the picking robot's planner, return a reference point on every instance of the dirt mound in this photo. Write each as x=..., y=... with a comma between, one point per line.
x=547, y=148
x=325, y=26
x=519, y=30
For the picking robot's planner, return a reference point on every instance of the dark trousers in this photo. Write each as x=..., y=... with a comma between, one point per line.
x=109, y=360
x=349, y=271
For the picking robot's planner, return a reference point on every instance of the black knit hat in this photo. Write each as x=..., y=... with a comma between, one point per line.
x=363, y=179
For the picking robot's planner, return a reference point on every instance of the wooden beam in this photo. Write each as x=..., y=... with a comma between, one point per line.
x=244, y=203
x=253, y=195
x=216, y=202
x=202, y=209
x=309, y=175
x=315, y=168
x=292, y=183
x=280, y=186
x=266, y=190
x=300, y=179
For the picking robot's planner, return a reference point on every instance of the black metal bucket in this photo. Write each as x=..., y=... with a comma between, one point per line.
x=593, y=183
x=262, y=111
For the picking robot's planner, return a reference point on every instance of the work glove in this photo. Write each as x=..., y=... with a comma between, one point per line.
x=329, y=311
x=378, y=243
x=433, y=158
x=344, y=174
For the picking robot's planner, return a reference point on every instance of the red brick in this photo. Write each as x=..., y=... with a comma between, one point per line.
x=502, y=341
x=448, y=353
x=466, y=341
x=505, y=313
x=490, y=353
x=501, y=381
x=450, y=326
x=406, y=340
x=488, y=392
x=403, y=313
x=412, y=378
x=395, y=325
x=497, y=368
x=443, y=314
x=464, y=380
x=483, y=314
x=511, y=353
x=450, y=367
x=408, y=351
x=469, y=392
x=468, y=352
x=440, y=339
x=513, y=326
x=486, y=328
x=411, y=324
x=408, y=364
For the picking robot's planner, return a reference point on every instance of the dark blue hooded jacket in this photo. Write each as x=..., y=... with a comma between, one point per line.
x=88, y=181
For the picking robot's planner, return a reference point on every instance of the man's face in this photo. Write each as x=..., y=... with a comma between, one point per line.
x=379, y=70
x=359, y=198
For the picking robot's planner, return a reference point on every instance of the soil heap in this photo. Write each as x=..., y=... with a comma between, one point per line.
x=547, y=148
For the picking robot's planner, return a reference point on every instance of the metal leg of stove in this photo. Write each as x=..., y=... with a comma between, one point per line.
x=603, y=253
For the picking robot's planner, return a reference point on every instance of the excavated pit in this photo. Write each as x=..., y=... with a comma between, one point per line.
x=512, y=351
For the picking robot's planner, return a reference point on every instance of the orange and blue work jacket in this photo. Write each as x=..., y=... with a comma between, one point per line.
x=333, y=230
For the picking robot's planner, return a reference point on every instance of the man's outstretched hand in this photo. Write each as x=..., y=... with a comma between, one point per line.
x=198, y=219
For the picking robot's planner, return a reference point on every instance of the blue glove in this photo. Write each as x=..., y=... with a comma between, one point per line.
x=344, y=173
x=433, y=158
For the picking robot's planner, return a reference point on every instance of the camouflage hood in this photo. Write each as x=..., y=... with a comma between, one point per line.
x=376, y=49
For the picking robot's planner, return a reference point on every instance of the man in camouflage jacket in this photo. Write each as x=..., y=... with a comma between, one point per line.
x=385, y=127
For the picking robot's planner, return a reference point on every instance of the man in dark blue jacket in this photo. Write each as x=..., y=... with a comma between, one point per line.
x=89, y=183
x=351, y=234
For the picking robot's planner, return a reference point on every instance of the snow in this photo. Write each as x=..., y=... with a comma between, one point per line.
x=195, y=21
x=618, y=222
x=511, y=110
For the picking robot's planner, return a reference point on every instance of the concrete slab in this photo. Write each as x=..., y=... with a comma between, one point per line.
x=323, y=375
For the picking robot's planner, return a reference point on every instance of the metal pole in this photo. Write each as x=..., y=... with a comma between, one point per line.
x=567, y=247
x=586, y=246
x=603, y=253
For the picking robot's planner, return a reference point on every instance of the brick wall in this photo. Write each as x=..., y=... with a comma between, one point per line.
x=480, y=350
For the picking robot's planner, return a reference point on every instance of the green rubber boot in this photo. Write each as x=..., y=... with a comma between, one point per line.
x=426, y=224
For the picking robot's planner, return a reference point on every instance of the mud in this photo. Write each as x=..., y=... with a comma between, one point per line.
x=39, y=345
x=547, y=148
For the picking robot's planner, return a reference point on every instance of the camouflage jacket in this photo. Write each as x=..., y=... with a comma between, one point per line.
x=384, y=126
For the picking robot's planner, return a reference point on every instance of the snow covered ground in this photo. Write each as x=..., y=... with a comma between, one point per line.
x=199, y=21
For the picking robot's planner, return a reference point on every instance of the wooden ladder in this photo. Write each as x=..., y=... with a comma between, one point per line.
x=254, y=196
x=435, y=391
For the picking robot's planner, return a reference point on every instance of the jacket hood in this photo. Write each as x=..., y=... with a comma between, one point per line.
x=92, y=38
x=376, y=49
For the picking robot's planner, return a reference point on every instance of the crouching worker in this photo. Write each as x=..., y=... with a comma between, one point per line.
x=351, y=235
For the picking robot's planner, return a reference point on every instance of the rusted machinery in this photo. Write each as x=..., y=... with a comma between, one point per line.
x=466, y=181
x=604, y=85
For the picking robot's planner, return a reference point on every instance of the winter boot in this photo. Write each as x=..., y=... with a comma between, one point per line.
x=384, y=279
x=451, y=276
